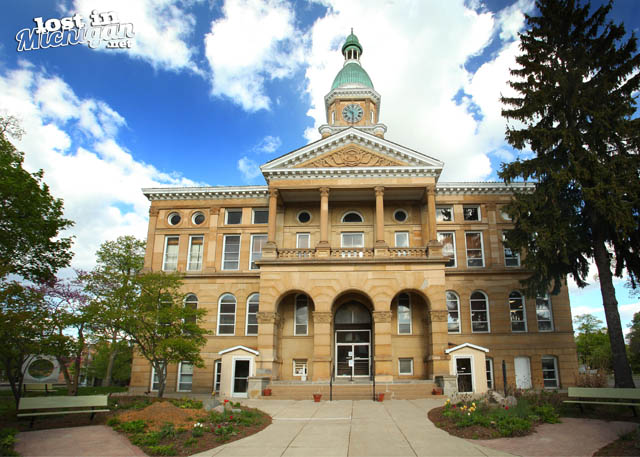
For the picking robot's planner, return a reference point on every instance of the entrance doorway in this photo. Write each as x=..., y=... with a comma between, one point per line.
x=241, y=370
x=523, y=372
x=352, y=340
x=464, y=372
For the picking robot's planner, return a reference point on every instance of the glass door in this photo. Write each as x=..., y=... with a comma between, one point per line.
x=353, y=353
x=241, y=378
x=465, y=375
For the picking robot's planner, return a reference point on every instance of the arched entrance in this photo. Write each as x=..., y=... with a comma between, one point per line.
x=353, y=340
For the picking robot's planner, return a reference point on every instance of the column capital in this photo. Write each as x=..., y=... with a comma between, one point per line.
x=438, y=316
x=266, y=317
x=273, y=192
x=321, y=317
x=153, y=211
x=324, y=191
x=431, y=189
x=382, y=316
x=379, y=190
x=214, y=210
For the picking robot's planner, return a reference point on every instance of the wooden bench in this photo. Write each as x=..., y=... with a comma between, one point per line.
x=45, y=406
x=597, y=396
x=37, y=387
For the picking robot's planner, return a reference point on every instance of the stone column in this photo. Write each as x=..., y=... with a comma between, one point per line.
x=380, y=217
x=438, y=359
x=323, y=245
x=269, y=251
x=434, y=246
x=382, y=338
x=212, y=239
x=148, y=255
x=267, y=344
x=321, y=346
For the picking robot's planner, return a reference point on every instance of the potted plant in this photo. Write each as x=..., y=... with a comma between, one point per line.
x=266, y=392
x=317, y=397
x=381, y=397
x=436, y=391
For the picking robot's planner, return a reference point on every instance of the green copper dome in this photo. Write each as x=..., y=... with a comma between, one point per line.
x=352, y=73
x=351, y=40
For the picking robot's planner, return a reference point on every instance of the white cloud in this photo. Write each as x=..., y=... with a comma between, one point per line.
x=248, y=168
x=253, y=42
x=415, y=55
x=268, y=145
x=162, y=29
x=110, y=203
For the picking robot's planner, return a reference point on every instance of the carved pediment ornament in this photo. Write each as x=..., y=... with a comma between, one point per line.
x=382, y=316
x=352, y=157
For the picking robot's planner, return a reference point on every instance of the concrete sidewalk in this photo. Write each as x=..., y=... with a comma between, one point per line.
x=350, y=428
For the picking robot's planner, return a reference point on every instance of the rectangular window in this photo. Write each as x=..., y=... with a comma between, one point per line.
x=260, y=216
x=257, y=243
x=511, y=258
x=231, y=252
x=489, y=363
x=404, y=315
x=475, y=253
x=402, y=239
x=444, y=213
x=550, y=372
x=517, y=312
x=217, y=374
x=155, y=383
x=405, y=366
x=185, y=376
x=352, y=240
x=170, y=260
x=471, y=213
x=303, y=240
x=448, y=240
x=302, y=315
x=299, y=367
x=544, y=314
x=196, y=251
x=233, y=216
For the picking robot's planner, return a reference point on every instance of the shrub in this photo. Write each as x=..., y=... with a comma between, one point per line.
x=198, y=430
x=511, y=425
x=113, y=422
x=597, y=379
x=248, y=417
x=224, y=432
x=136, y=426
x=146, y=439
x=162, y=449
x=187, y=403
x=168, y=430
x=547, y=413
x=190, y=442
x=8, y=441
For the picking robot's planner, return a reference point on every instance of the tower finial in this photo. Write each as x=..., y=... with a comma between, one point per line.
x=351, y=30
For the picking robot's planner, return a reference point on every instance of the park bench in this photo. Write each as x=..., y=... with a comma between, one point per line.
x=605, y=396
x=37, y=387
x=49, y=406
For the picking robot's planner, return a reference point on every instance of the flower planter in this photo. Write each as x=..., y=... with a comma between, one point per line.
x=266, y=392
x=380, y=397
x=317, y=397
x=436, y=391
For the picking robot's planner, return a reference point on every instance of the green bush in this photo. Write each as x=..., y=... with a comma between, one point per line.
x=187, y=403
x=168, y=430
x=136, y=426
x=224, y=432
x=146, y=439
x=113, y=422
x=248, y=417
x=162, y=449
x=511, y=425
x=191, y=442
x=547, y=413
x=8, y=441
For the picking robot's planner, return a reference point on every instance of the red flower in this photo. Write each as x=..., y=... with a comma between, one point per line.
x=219, y=426
x=506, y=407
x=454, y=406
x=230, y=417
x=226, y=401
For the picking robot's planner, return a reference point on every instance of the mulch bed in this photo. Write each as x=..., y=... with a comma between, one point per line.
x=627, y=445
x=475, y=432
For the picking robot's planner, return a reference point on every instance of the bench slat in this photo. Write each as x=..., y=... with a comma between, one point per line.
x=64, y=412
x=615, y=403
x=603, y=392
x=63, y=402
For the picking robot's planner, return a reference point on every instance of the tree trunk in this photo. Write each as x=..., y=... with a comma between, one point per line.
x=621, y=368
x=65, y=372
x=15, y=380
x=106, y=382
x=76, y=373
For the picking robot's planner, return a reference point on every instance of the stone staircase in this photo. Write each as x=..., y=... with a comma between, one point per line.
x=358, y=390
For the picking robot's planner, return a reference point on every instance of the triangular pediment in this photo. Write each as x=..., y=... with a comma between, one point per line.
x=352, y=155
x=353, y=149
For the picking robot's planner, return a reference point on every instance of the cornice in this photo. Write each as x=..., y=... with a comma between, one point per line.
x=352, y=92
x=205, y=193
x=482, y=188
x=352, y=172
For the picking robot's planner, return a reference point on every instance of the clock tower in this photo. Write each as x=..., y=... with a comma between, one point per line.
x=352, y=101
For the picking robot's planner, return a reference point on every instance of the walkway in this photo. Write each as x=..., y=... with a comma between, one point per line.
x=350, y=428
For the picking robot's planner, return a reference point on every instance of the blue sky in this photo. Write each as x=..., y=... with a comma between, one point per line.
x=209, y=90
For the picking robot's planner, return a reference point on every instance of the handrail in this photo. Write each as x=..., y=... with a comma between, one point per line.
x=331, y=382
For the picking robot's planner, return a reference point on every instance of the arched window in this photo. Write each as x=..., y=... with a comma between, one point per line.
x=252, y=314
x=301, y=317
x=404, y=314
x=517, y=312
x=352, y=313
x=453, y=308
x=227, y=315
x=352, y=216
x=191, y=301
x=479, y=312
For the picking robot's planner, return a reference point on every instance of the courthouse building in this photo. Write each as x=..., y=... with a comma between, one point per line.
x=354, y=263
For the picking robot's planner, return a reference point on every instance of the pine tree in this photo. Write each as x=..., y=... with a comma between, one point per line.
x=577, y=78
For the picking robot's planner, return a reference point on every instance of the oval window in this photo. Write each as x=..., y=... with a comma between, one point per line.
x=352, y=216
x=198, y=218
x=174, y=219
x=304, y=217
x=41, y=368
x=400, y=215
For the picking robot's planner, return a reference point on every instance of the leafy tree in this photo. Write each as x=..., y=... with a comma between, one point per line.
x=592, y=342
x=162, y=328
x=120, y=365
x=574, y=108
x=112, y=286
x=30, y=218
x=634, y=342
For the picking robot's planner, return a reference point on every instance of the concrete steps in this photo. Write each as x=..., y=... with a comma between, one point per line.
x=281, y=390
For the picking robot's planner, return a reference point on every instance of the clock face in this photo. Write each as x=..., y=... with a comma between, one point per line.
x=352, y=113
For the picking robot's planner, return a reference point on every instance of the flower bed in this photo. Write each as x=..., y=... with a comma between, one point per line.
x=184, y=428
x=485, y=420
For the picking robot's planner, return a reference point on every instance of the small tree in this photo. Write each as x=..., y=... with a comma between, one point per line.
x=111, y=286
x=634, y=342
x=575, y=104
x=592, y=342
x=163, y=329
x=120, y=366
